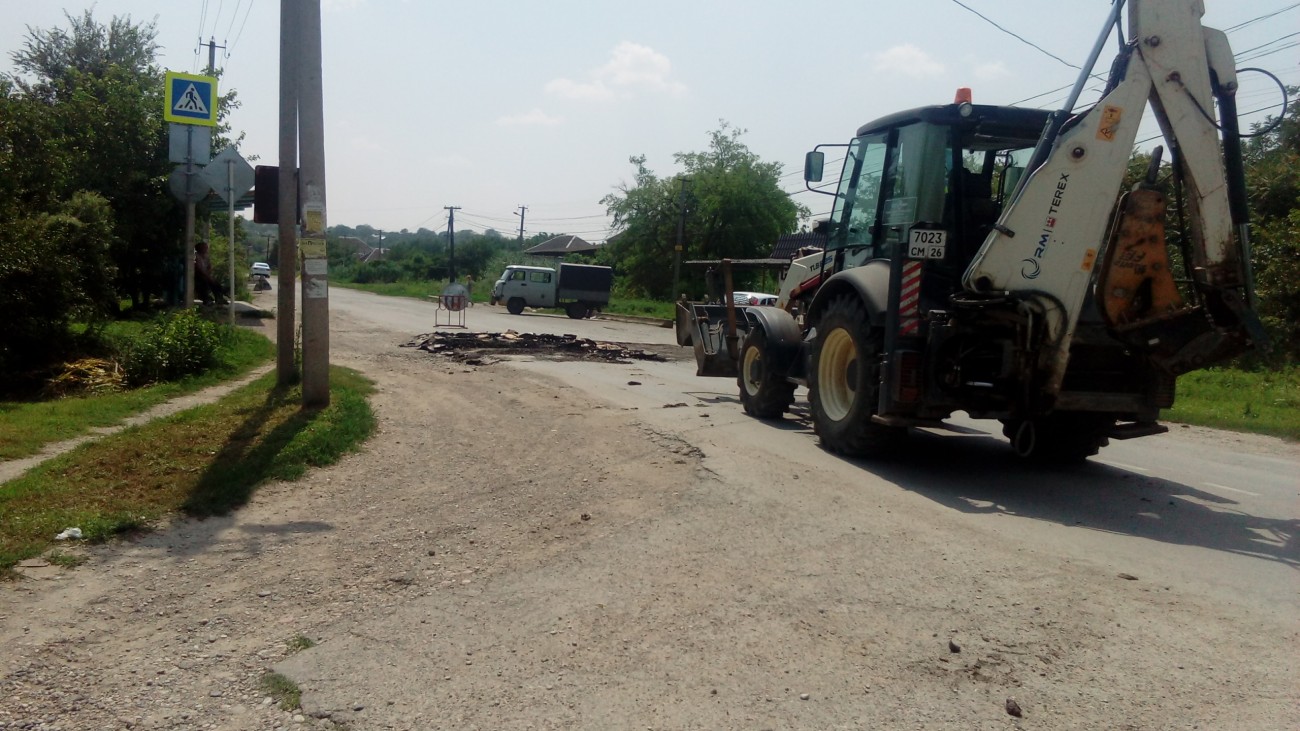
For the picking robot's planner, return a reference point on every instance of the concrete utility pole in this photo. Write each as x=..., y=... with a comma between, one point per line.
x=451, y=243
x=681, y=234
x=286, y=369
x=522, y=211
x=212, y=54
x=315, y=271
x=381, y=244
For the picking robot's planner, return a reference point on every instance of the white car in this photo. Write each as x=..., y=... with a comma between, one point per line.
x=754, y=299
x=260, y=269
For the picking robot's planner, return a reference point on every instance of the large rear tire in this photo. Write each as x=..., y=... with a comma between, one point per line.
x=576, y=310
x=763, y=393
x=515, y=305
x=844, y=382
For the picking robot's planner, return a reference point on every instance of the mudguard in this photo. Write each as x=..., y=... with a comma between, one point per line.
x=783, y=337
x=869, y=282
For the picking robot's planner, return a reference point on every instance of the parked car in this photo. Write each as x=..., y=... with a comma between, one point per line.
x=754, y=299
x=259, y=269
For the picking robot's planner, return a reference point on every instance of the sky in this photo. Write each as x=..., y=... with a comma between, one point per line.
x=492, y=104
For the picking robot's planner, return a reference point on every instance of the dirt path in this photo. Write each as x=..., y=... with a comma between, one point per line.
x=509, y=552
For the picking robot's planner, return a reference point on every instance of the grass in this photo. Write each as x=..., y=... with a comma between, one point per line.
x=66, y=560
x=26, y=426
x=283, y=690
x=204, y=461
x=480, y=293
x=1263, y=402
x=414, y=290
x=298, y=643
x=641, y=308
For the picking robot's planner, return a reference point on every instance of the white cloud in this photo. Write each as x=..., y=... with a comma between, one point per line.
x=534, y=118
x=570, y=89
x=907, y=60
x=991, y=71
x=631, y=67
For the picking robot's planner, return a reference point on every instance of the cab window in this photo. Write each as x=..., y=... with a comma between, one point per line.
x=857, y=202
x=539, y=277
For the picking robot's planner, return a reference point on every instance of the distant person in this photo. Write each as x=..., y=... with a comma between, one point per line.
x=206, y=286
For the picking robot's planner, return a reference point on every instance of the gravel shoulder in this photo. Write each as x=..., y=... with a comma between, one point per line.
x=511, y=552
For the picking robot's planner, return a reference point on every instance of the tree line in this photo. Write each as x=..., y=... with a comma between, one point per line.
x=87, y=222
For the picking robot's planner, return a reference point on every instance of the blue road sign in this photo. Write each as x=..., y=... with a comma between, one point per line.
x=190, y=99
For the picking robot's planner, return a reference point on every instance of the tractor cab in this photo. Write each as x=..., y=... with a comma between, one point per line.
x=925, y=186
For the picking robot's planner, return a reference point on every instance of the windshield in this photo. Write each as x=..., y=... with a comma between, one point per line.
x=858, y=198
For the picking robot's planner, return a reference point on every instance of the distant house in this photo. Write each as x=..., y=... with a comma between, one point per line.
x=562, y=245
x=790, y=245
x=363, y=251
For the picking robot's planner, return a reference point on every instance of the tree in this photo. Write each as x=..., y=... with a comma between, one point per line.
x=1273, y=187
x=55, y=268
x=735, y=208
x=95, y=91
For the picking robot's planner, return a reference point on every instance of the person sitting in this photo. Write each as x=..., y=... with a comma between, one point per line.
x=206, y=285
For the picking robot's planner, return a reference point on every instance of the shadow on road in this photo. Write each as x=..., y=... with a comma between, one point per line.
x=979, y=474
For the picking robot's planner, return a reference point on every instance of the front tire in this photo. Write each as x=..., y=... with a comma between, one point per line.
x=515, y=305
x=763, y=393
x=844, y=382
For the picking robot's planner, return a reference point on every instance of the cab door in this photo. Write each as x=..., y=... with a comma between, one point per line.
x=541, y=289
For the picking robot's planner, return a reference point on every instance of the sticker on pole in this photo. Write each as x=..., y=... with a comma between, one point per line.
x=190, y=99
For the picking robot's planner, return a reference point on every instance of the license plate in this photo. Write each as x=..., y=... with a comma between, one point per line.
x=927, y=244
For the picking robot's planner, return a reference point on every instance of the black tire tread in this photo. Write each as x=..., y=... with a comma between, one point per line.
x=775, y=394
x=857, y=435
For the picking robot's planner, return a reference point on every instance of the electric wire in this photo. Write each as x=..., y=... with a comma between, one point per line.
x=231, y=25
x=216, y=19
x=1044, y=51
x=240, y=34
x=1265, y=45
x=1252, y=21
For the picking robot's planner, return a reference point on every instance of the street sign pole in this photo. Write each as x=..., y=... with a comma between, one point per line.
x=189, y=100
x=189, y=217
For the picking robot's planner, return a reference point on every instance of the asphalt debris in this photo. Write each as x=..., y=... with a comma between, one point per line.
x=474, y=348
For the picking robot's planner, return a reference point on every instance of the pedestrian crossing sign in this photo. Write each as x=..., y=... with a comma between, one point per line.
x=190, y=99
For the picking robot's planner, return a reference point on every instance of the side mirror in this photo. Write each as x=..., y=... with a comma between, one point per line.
x=813, y=163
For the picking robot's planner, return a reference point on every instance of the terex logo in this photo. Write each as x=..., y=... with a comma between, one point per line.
x=1049, y=227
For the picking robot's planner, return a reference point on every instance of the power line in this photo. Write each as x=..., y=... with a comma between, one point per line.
x=1252, y=21
x=1046, y=52
x=231, y=25
x=1265, y=45
x=1279, y=49
x=240, y=34
x=216, y=19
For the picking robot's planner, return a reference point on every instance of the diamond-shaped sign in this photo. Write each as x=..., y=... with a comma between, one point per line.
x=218, y=175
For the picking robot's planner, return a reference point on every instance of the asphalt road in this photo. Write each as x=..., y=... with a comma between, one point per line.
x=1213, y=512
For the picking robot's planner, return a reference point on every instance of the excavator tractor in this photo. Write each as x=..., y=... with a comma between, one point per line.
x=981, y=259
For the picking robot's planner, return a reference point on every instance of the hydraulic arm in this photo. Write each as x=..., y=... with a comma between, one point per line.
x=1049, y=247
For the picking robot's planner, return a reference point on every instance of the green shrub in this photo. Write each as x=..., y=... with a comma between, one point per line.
x=54, y=270
x=177, y=345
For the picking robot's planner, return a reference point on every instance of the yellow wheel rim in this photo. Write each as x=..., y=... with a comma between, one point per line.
x=838, y=359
